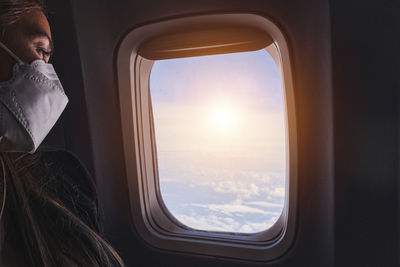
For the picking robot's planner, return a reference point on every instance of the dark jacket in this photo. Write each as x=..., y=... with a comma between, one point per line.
x=71, y=183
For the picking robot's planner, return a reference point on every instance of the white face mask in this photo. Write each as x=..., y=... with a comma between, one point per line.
x=30, y=104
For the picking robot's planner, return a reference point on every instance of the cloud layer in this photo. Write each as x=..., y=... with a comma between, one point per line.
x=241, y=202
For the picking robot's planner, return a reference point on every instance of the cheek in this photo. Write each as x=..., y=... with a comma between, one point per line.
x=23, y=48
x=29, y=53
x=6, y=66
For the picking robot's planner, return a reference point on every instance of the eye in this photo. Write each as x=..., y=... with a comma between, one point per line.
x=44, y=54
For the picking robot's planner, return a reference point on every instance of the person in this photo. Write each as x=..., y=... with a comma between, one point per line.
x=49, y=212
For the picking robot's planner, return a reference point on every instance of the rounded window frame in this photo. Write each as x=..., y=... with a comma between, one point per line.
x=150, y=216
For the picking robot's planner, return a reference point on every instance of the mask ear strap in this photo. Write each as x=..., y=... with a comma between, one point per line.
x=19, y=61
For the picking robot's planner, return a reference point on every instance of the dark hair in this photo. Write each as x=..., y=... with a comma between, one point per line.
x=41, y=212
x=13, y=10
x=29, y=192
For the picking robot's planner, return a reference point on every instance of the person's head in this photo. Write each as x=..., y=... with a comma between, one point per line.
x=24, y=29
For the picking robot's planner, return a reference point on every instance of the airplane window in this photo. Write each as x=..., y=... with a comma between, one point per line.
x=220, y=135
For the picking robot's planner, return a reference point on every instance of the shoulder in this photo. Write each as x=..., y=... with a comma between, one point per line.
x=74, y=185
x=70, y=169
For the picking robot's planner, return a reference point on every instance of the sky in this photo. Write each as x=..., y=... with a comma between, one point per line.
x=220, y=135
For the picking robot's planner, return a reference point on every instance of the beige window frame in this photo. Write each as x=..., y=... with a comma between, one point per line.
x=190, y=36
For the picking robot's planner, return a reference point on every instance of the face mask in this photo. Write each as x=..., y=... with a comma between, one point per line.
x=30, y=104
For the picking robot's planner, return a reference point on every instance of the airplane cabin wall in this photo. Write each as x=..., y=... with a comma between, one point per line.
x=366, y=72
x=72, y=129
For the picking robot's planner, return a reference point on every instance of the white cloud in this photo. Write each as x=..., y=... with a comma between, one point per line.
x=256, y=227
x=223, y=224
x=278, y=191
x=224, y=200
x=229, y=209
x=242, y=189
x=265, y=204
x=209, y=223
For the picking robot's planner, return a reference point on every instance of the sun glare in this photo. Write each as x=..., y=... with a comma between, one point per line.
x=224, y=119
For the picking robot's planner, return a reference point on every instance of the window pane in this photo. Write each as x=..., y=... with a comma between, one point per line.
x=220, y=134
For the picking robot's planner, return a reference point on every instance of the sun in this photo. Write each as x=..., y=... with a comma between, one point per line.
x=224, y=119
